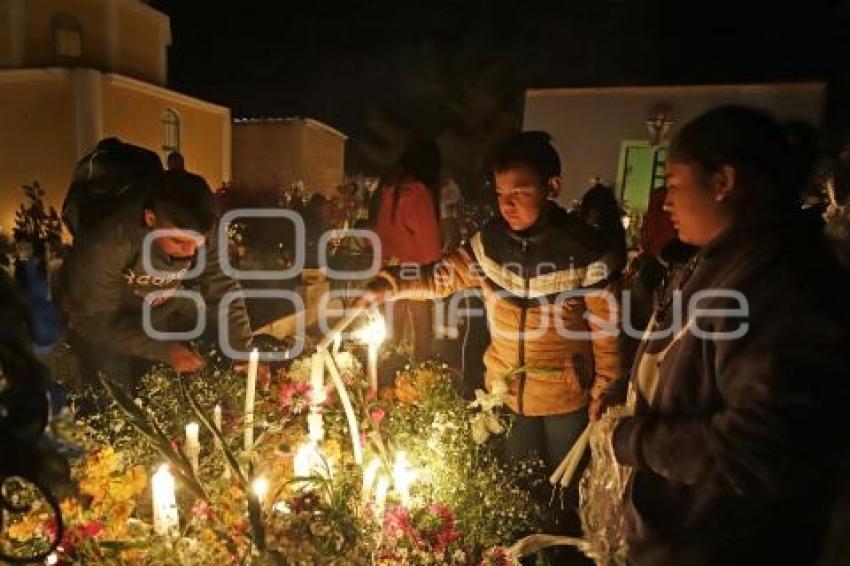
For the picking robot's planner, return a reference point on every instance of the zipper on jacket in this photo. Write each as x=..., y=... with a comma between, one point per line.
x=522, y=316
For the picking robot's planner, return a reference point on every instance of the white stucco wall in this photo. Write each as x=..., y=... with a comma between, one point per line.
x=589, y=125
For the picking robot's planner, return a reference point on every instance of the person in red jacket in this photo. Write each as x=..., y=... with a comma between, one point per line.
x=657, y=230
x=406, y=222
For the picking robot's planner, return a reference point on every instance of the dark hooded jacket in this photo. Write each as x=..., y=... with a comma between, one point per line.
x=104, y=283
x=735, y=449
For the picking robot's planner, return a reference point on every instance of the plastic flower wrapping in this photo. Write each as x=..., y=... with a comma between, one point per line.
x=602, y=490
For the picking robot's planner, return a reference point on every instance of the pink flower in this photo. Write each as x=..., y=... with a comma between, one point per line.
x=75, y=535
x=302, y=503
x=446, y=531
x=497, y=556
x=377, y=416
x=201, y=510
x=397, y=524
x=295, y=396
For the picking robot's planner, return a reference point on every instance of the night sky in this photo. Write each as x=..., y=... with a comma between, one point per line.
x=380, y=70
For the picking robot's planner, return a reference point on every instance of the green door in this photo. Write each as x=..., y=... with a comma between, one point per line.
x=641, y=170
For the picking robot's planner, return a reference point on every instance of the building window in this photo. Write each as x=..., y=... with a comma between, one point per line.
x=170, y=131
x=67, y=37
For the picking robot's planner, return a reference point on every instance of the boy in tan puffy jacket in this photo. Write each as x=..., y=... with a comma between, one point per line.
x=547, y=282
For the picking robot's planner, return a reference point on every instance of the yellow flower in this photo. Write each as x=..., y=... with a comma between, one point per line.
x=411, y=385
x=26, y=528
x=406, y=391
x=133, y=556
x=137, y=479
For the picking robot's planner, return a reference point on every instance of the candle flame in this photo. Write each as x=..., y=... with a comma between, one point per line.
x=374, y=332
x=260, y=488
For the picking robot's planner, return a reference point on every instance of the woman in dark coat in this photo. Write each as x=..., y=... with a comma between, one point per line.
x=741, y=413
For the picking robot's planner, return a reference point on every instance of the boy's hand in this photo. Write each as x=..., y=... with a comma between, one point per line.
x=184, y=360
x=378, y=291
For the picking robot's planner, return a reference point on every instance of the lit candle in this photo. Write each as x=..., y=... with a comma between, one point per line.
x=165, y=518
x=217, y=424
x=260, y=488
x=303, y=463
x=373, y=366
x=315, y=426
x=250, y=389
x=403, y=476
x=369, y=475
x=373, y=334
x=381, y=496
x=193, y=445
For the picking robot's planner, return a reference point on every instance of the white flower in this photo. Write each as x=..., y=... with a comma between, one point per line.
x=498, y=387
x=480, y=432
x=486, y=401
x=494, y=425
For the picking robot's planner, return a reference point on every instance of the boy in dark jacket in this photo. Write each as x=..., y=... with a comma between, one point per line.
x=104, y=282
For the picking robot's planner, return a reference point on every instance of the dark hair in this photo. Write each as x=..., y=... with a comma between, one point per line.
x=528, y=149
x=175, y=160
x=766, y=164
x=599, y=208
x=183, y=200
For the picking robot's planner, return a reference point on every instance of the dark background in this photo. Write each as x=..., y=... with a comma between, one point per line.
x=383, y=70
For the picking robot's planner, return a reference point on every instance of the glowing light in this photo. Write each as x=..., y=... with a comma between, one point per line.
x=374, y=332
x=193, y=445
x=260, y=487
x=165, y=518
x=304, y=457
x=309, y=462
x=381, y=496
x=403, y=477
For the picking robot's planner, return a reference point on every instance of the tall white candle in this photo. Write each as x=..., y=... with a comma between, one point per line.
x=353, y=428
x=315, y=426
x=381, y=496
x=217, y=424
x=369, y=475
x=250, y=390
x=317, y=380
x=304, y=456
x=373, y=366
x=165, y=518
x=193, y=445
x=403, y=477
x=373, y=334
x=260, y=488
